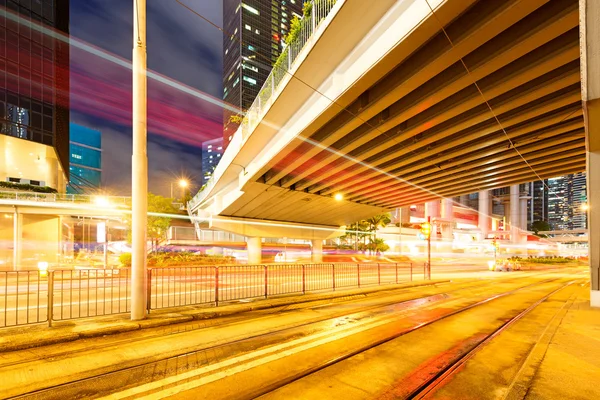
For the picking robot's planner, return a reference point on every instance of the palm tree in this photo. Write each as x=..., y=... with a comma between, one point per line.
x=379, y=220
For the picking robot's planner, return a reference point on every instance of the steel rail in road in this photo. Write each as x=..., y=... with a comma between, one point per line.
x=446, y=373
x=113, y=380
x=340, y=358
x=349, y=299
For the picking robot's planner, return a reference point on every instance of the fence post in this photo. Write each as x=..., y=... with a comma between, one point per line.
x=216, y=286
x=425, y=271
x=379, y=274
x=50, y=305
x=149, y=290
x=303, y=279
x=266, y=282
x=358, y=273
x=411, y=272
x=333, y=273
x=396, y=272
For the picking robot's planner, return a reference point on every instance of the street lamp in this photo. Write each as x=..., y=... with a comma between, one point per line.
x=183, y=184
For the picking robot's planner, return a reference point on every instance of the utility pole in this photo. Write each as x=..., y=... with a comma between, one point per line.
x=429, y=248
x=139, y=165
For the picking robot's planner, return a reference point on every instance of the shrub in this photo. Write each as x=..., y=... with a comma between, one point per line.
x=27, y=187
x=125, y=259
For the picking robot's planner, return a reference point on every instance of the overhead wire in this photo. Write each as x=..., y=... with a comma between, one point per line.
x=489, y=106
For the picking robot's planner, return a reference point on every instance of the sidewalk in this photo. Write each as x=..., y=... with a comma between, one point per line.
x=568, y=356
x=29, y=336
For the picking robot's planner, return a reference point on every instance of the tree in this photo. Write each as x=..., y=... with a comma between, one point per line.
x=377, y=246
x=157, y=226
x=355, y=232
x=379, y=220
x=537, y=226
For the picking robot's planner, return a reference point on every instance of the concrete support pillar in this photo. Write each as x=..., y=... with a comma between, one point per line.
x=254, y=250
x=589, y=27
x=523, y=213
x=513, y=216
x=317, y=251
x=484, y=213
x=432, y=209
x=17, y=239
x=447, y=214
x=447, y=211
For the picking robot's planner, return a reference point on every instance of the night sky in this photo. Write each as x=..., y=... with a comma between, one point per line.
x=182, y=47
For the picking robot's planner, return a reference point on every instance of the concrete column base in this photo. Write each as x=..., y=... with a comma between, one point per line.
x=254, y=250
x=317, y=251
x=595, y=298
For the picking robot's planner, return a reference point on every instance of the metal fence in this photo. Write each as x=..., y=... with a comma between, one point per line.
x=28, y=297
x=120, y=201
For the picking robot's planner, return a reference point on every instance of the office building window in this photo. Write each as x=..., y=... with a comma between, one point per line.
x=250, y=80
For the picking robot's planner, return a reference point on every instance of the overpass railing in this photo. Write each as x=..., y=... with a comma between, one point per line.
x=66, y=198
x=29, y=297
x=316, y=12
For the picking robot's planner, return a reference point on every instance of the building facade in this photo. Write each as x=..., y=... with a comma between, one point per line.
x=256, y=29
x=566, y=202
x=85, y=158
x=34, y=93
x=212, y=150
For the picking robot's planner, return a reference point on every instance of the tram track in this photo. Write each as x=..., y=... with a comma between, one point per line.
x=187, y=327
x=105, y=383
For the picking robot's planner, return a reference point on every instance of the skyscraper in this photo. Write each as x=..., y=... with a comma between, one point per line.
x=538, y=206
x=85, y=160
x=34, y=93
x=257, y=28
x=212, y=150
x=565, y=202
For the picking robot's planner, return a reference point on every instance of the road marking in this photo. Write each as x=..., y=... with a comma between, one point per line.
x=249, y=360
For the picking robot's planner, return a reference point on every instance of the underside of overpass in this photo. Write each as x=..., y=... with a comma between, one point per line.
x=491, y=100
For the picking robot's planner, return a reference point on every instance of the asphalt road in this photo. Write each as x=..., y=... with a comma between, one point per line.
x=390, y=345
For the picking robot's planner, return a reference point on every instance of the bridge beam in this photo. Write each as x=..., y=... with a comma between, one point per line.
x=589, y=27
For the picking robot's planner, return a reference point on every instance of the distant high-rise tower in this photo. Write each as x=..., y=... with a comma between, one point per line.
x=212, y=150
x=257, y=28
x=538, y=205
x=567, y=195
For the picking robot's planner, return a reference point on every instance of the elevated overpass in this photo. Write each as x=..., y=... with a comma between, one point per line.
x=413, y=126
x=408, y=101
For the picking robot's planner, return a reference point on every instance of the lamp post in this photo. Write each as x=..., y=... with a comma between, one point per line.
x=183, y=184
x=139, y=164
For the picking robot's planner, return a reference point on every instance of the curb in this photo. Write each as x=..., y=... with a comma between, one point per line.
x=60, y=333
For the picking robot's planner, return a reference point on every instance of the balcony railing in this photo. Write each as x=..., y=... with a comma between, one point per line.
x=98, y=200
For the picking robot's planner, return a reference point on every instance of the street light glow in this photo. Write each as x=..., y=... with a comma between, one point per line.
x=585, y=207
x=339, y=197
x=101, y=201
x=183, y=183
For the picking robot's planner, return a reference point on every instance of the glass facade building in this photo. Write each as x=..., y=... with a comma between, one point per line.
x=85, y=159
x=257, y=28
x=565, y=202
x=212, y=150
x=34, y=74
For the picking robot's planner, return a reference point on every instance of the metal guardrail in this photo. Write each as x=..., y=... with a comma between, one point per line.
x=67, y=198
x=29, y=297
x=320, y=9
x=182, y=286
